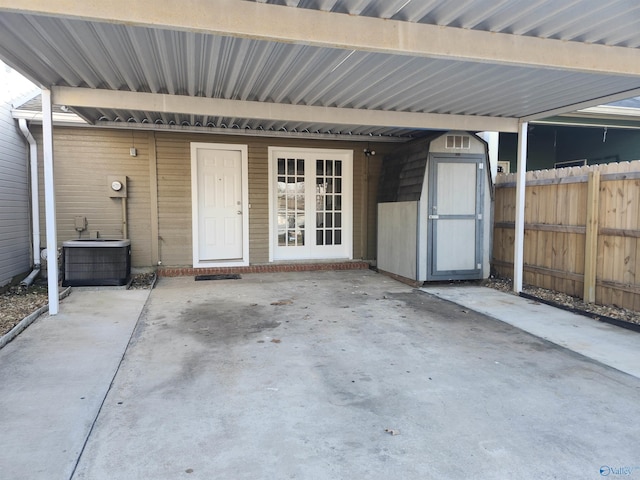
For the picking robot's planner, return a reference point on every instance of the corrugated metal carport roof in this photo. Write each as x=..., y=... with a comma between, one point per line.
x=385, y=67
x=614, y=22
x=362, y=85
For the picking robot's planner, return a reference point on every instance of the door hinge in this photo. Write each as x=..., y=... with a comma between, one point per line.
x=479, y=266
x=479, y=216
x=481, y=166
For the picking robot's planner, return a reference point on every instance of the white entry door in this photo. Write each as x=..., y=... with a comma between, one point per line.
x=218, y=203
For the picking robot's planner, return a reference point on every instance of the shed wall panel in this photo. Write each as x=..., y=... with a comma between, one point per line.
x=397, y=236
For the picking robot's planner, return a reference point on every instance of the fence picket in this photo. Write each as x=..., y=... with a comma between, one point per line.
x=555, y=253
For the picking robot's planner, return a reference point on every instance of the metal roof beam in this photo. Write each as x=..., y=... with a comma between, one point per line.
x=336, y=30
x=579, y=106
x=155, y=102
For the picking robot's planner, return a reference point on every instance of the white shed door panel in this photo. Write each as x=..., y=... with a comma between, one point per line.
x=219, y=204
x=454, y=251
x=456, y=188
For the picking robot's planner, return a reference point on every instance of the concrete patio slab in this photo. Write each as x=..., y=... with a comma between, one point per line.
x=54, y=377
x=606, y=343
x=304, y=375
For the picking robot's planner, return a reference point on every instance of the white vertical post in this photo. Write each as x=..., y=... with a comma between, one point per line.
x=50, y=203
x=493, y=141
x=521, y=177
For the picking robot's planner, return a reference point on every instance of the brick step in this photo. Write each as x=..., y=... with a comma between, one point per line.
x=273, y=268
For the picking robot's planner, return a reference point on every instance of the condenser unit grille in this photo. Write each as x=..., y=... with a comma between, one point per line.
x=96, y=262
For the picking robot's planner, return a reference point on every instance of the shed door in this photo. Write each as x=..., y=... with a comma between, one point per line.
x=455, y=218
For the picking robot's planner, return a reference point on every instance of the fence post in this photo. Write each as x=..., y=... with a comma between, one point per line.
x=591, y=237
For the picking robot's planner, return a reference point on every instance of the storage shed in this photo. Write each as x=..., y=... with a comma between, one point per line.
x=434, y=209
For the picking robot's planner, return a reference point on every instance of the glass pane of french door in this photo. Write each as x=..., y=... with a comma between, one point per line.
x=291, y=202
x=328, y=202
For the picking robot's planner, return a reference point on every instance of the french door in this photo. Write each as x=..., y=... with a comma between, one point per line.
x=311, y=203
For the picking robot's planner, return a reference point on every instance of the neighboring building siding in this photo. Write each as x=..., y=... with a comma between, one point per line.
x=597, y=146
x=15, y=237
x=548, y=144
x=84, y=157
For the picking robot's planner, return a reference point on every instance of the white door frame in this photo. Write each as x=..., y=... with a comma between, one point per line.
x=243, y=149
x=346, y=155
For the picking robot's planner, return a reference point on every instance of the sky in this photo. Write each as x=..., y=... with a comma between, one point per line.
x=13, y=86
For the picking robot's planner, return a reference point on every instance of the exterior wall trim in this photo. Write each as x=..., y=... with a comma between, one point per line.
x=244, y=152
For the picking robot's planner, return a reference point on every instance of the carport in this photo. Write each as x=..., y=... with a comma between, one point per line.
x=316, y=375
x=367, y=69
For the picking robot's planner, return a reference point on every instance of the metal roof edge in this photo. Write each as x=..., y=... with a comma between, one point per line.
x=588, y=122
x=65, y=120
x=25, y=97
x=36, y=117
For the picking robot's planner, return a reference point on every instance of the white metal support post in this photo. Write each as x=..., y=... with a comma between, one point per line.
x=50, y=203
x=493, y=142
x=521, y=176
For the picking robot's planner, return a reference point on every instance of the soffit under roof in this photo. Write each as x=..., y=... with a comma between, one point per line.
x=74, y=52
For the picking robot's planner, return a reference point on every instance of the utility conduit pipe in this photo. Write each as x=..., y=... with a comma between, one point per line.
x=35, y=206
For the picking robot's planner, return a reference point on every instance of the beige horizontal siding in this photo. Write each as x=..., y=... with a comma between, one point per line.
x=174, y=193
x=373, y=170
x=174, y=199
x=84, y=157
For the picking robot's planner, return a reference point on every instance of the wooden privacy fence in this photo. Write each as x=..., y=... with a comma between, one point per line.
x=582, y=231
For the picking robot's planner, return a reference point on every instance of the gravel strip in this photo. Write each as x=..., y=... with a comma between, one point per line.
x=506, y=285
x=19, y=302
